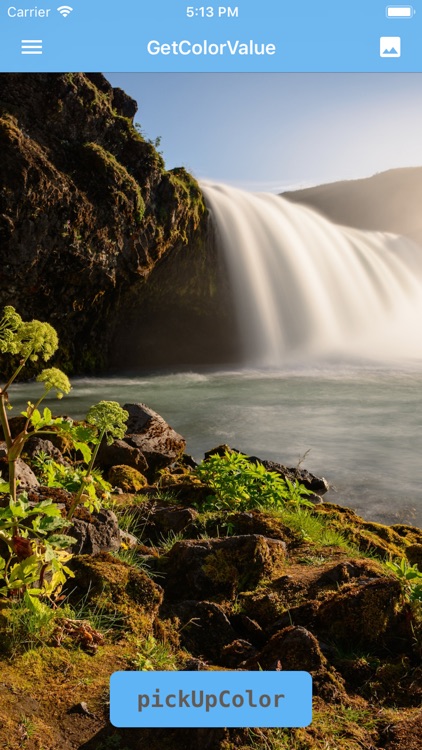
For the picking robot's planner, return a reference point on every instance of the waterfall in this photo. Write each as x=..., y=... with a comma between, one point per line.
x=303, y=285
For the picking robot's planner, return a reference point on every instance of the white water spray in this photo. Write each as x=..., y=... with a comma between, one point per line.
x=304, y=285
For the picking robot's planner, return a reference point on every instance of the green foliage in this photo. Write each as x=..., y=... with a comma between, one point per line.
x=154, y=655
x=109, y=418
x=36, y=557
x=30, y=623
x=29, y=340
x=71, y=478
x=167, y=541
x=410, y=578
x=54, y=378
x=239, y=484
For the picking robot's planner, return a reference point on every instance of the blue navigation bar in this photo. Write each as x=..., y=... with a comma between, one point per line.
x=211, y=699
x=187, y=36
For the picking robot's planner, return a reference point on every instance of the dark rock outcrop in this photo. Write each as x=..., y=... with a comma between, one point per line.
x=87, y=212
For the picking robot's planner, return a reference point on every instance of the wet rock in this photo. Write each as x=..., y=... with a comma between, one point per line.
x=360, y=612
x=150, y=443
x=221, y=567
x=127, y=478
x=100, y=534
x=204, y=628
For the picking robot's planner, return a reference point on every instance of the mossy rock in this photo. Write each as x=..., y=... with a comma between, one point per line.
x=127, y=478
x=368, y=536
x=220, y=568
x=113, y=587
x=360, y=613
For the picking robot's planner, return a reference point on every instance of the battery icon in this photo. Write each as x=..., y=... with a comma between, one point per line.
x=400, y=11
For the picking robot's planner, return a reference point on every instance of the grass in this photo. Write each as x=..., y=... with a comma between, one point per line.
x=167, y=542
x=99, y=616
x=154, y=655
x=312, y=528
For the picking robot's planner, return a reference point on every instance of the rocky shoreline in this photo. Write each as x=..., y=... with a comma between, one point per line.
x=167, y=581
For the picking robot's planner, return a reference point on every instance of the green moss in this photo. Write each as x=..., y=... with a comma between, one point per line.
x=127, y=478
x=127, y=594
x=367, y=536
x=110, y=170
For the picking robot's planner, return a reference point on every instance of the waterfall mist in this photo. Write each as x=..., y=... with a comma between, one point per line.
x=304, y=286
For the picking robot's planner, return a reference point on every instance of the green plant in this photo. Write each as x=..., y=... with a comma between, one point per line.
x=36, y=553
x=239, y=484
x=70, y=478
x=410, y=578
x=30, y=623
x=154, y=655
x=109, y=419
x=167, y=541
x=132, y=558
x=35, y=562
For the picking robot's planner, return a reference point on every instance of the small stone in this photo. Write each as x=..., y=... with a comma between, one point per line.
x=81, y=708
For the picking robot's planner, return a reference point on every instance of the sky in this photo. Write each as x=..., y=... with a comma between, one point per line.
x=278, y=131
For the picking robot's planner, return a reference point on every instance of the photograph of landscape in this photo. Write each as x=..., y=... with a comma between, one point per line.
x=220, y=278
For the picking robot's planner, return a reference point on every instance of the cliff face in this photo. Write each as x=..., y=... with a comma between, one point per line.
x=87, y=210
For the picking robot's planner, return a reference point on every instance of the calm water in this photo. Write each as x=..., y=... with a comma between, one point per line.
x=361, y=425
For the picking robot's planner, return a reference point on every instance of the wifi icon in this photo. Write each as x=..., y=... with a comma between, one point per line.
x=65, y=10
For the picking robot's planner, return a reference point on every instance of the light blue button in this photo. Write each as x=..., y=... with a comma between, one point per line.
x=211, y=699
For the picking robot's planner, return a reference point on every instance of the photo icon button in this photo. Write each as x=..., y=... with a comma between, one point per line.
x=390, y=46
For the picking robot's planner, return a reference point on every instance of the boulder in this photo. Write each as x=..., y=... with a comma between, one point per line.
x=204, y=628
x=317, y=485
x=360, y=613
x=25, y=477
x=221, y=567
x=126, y=594
x=149, y=445
x=292, y=649
x=120, y=453
x=98, y=534
x=159, y=522
x=36, y=445
x=126, y=478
